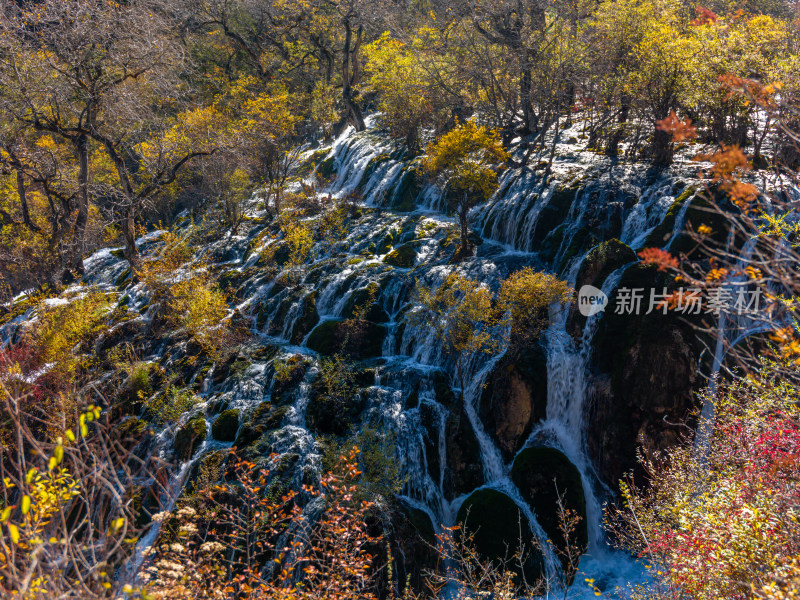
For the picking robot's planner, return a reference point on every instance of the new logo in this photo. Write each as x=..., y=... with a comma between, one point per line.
x=591, y=300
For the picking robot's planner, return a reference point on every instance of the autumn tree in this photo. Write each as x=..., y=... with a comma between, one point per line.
x=463, y=162
x=82, y=71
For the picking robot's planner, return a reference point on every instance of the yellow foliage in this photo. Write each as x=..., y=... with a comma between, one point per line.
x=464, y=158
x=300, y=239
x=63, y=327
x=197, y=305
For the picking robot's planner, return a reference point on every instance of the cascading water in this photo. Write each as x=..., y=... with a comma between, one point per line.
x=530, y=222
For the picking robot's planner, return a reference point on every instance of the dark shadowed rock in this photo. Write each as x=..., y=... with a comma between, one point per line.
x=542, y=475
x=500, y=529
x=464, y=470
x=225, y=425
x=515, y=398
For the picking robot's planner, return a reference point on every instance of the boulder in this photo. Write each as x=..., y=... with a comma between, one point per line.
x=226, y=425
x=404, y=256
x=190, y=437
x=542, y=475
x=500, y=529
x=515, y=398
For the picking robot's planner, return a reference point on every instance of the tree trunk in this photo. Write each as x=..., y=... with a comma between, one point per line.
x=82, y=150
x=131, y=252
x=350, y=74
x=463, y=220
x=662, y=148
x=23, y=201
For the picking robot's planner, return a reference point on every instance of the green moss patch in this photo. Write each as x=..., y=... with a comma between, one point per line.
x=542, y=474
x=497, y=525
x=225, y=426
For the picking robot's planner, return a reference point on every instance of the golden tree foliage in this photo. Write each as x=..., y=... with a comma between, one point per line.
x=464, y=162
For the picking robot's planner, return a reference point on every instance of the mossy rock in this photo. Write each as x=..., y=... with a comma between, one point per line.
x=307, y=166
x=403, y=257
x=294, y=369
x=359, y=339
x=555, y=211
x=408, y=189
x=263, y=419
x=326, y=168
x=662, y=232
x=306, y=320
x=190, y=437
x=386, y=244
x=118, y=253
x=602, y=260
x=225, y=425
x=541, y=474
x=497, y=524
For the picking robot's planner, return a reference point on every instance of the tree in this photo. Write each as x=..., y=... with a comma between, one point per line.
x=461, y=314
x=523, y=302
x=405, y=95
x=79, y=70
x=463, y=162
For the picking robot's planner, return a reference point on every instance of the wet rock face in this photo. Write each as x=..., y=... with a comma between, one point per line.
x=413, y=541
x=225, y=426
x=358, y=339
x=646, y=372
x=190, y=437
x=542, y=475
x=500, y=530
x=464, y=470
x=515, y=398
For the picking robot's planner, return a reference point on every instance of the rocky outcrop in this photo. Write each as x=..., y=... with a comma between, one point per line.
x=515, y=398
x=357, y=339
x=646, y=371
x=500, y=530
x=464, y=470
x=543, y=475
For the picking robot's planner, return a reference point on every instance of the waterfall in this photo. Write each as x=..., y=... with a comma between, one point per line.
x=550, y=225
